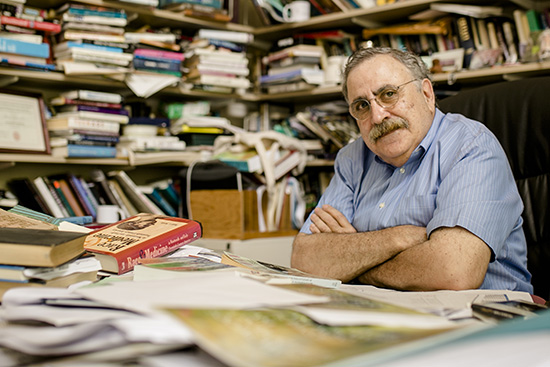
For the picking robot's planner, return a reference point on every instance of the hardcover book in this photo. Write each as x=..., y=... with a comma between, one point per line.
x=121, y=245
x=39, y=247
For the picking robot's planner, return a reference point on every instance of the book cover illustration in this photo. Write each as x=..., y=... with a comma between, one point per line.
x=257, y=337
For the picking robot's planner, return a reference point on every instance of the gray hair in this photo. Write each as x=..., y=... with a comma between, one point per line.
x=414, y=63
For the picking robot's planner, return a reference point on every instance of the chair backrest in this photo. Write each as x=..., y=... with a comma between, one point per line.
x=518, y=113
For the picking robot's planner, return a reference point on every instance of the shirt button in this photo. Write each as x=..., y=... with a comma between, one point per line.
x=381, y=205
x=402, y=170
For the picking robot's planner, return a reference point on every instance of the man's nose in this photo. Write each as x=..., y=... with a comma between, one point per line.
x=378, y=113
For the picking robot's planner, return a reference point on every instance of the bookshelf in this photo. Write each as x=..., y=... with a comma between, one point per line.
x=353, y=20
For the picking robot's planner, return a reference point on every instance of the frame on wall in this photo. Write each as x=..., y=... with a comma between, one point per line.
x=23, y=127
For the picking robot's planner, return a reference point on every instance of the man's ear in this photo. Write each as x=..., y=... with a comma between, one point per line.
x=428, y=92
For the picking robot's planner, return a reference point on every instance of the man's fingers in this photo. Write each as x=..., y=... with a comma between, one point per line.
x=338, y=217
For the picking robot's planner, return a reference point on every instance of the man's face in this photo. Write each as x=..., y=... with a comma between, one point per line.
x=406, y=123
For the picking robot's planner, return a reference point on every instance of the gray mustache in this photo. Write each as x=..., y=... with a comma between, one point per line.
x=386, y=127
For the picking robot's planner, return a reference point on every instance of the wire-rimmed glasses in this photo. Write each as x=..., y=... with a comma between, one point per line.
x=388, y=97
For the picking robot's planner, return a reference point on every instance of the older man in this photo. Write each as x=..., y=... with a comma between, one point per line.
x=424, y=201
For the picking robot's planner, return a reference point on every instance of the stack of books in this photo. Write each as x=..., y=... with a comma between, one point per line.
x=204, y=9
x=216, y=61
x=142, y=134
x=92, y=40
x=87, y=124
x=293, y=68
x=24, y=38
x=38, y=254
x=200, y=131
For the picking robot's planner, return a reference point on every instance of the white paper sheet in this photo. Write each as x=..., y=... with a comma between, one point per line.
x=213, y=290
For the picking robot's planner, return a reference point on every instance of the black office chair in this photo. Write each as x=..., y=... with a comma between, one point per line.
x=518, y=113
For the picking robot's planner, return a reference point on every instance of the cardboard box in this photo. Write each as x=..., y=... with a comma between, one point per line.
x=233, y=214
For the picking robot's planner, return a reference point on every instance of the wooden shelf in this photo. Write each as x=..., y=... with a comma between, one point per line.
x=139, y=159
x=496, y=73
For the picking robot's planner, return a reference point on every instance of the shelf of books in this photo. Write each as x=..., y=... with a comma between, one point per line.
x=148, y=15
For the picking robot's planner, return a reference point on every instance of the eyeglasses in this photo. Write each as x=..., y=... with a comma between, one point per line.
x=387, y=98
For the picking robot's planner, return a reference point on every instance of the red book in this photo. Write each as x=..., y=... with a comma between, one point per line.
x=31, y=24
x=120, y=246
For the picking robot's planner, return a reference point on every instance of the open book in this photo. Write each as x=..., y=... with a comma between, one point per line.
x=277, y=274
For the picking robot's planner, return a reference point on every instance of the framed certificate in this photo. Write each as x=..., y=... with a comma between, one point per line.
x=22, y=123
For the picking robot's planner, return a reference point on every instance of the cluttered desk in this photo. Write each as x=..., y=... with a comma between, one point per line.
x=191, y=306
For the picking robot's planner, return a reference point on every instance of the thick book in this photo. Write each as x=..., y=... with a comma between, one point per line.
x=294, y=51
x=24, y=48
x=39, y=247
x=226, y=81
x=92, y=95
x=94, y=115
x=84, y=151
x=158, y=54
x=67, y=45
x=95, y=19
x=44, y=191
x=121, y=245
x=153, y=65
x=65, y=123
x=277, y=274
x=84, y=107
x=25, y=23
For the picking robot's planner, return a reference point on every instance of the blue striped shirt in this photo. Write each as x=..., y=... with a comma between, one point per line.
x=459, y=175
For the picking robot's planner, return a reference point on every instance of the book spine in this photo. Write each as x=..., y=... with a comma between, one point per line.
x=159, y=54
x=96, y=19
x=238, y=37
x=150, y=64
x=162, y=203
x=97, y=96
x=76, y=185
x=218, y=4
x=158, y=247
x=170, y=194
x=141, y=202
x=24, y=23
x=85, y=124
x=98, y=177
x=89, y=46
x=96, y=109
x=48, y=198
x=466, y=40
x=56, y=185
x=56, y=196
x=28, y=64
x=90, y=151
x=71, y=197
x=101, y=13
x=118, y=199
x=24, y=48
x=89, y=194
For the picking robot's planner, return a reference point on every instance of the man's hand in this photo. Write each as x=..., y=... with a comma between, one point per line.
x=329, y=220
